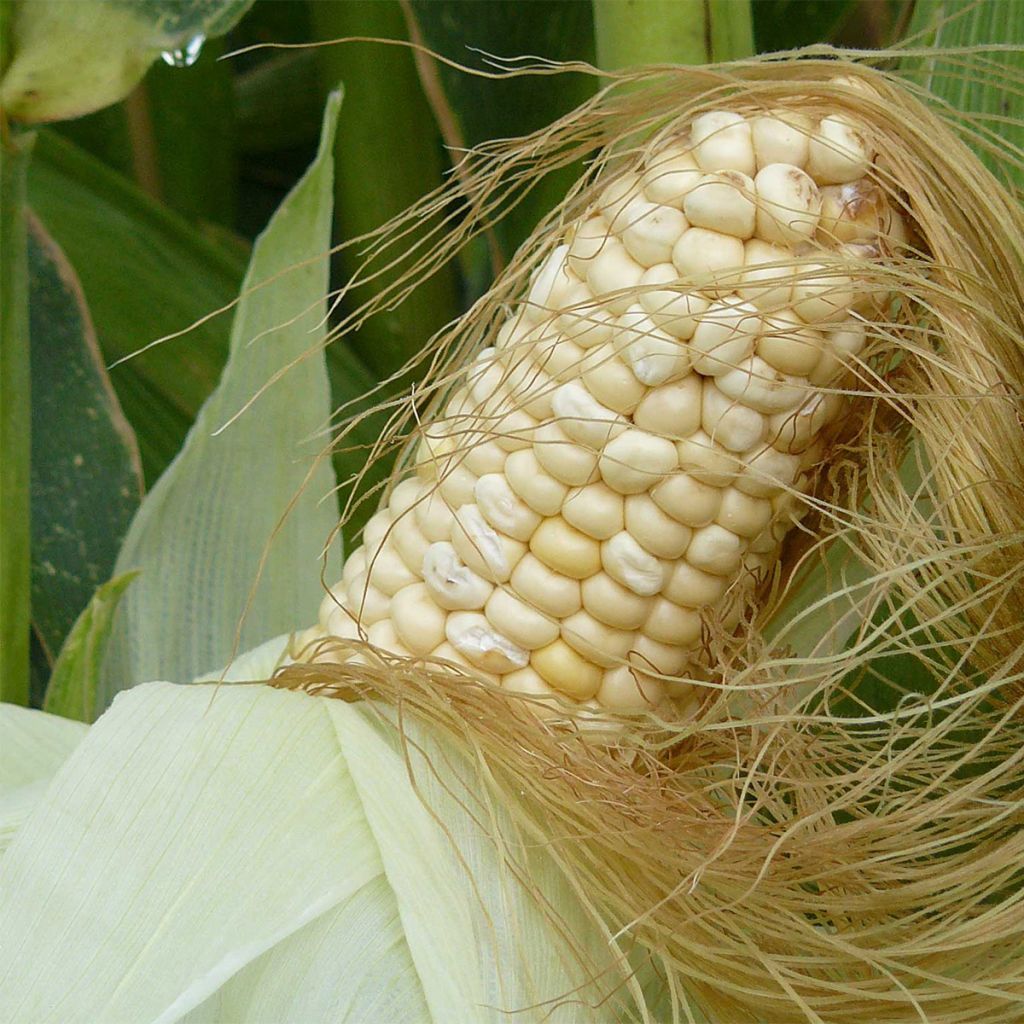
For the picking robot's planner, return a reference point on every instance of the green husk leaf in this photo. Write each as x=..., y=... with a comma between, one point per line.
x=76, y=674
x=228, y=516
x=86, y=475
x=249, y=854
x=73, y=58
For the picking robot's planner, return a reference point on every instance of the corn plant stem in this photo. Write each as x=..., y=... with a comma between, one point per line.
x=15, y=419
x=632, y=32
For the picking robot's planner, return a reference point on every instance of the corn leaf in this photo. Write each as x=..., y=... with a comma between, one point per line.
x=72, y=58
x=76, y=674
x=228, y=515
x=249, y=854
x=86, y=476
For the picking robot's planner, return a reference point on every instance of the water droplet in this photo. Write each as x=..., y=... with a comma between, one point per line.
x=187, y=55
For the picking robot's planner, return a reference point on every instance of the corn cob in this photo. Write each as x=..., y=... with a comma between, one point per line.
x=620, y=468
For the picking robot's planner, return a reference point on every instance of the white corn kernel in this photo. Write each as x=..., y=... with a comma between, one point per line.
x=456, y=484
x=655, y=658
x=550, y=284
x=759, y=385
x=418, y=622
x=626, y=689
x=654, y=356
x=670, y=623
x=586, y=321
x=706, y=460
x=669, y=176
x=781, y=138
x=376, y=530
x=788, y=204
x=842, y=345
x=725, y=335
x=405, y=496
x=653, y=529
x=587, y=241
x=452, y=584
x=692, y=587
x=446, y=652
x=838, y=152
x=583, y=418
x=611, y=381
x=354, y=565
x=722, y=141
x=543, y=588
x=687, y=500
x=612, y=603
x=715, y=549
x=566, y=670
x=822, y=292
x=525, y=475
x=742, y=514
x=723, y=202
x=635, y=461
x=488, y=553
x=734, y=426
x=526, y=682
x=767, y=473
x=343, y=624
x=615, y=200
x=565, y=549
x=563, y=458
x=767, y=278
x=795, y=431
x=672, y=410
x=652, y=231
x=387, y=572
x=709, y=259
x=522, y=624
x=484, y=456
x=789, y=345
x=477, y=640
x=611, y=274
x=502, y=509
x=675, y=308
x=409, y=542
x=597, y=642
x=332, y=601
x=384, y=637
x=530, y=388
x=434, y=517
x=596, y=510
x=629, y=564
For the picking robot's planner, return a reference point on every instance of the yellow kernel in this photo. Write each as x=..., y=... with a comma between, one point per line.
x=566, y=670
x=565, y=549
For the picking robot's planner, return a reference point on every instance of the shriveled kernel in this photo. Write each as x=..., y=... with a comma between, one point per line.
x=503, y=510
x=768, y=472
x=612, y=274
x=597, y=642
x=651, y=232
x=563, y=458
x=723, y=202
x=674, y=308
x=517, y=620
x=672, y=410
x=725, y=335
x=795, y=431
x=722, y=141
x=566, y=670
x=742, y=514
x=387, y=572
x=656, y=531
x=715, y=549
x=611, y=381
x=409, y=541
x=488, y=553
x=789, y=345
x=528, y=480
x=687, y=499
x=734, y=426
x=477, y=640
x=670, y=174
x=692, y=587
x=418, y=621
x=781, y=138
x=767, y=278
x=626, y=689
x=588, y=240
x=670, y=623
x=583, y=418
x=550, y=591
x=859, y=211
x=565, y=549
x=654, y=356
x=655, y=658
x=612, y=603
x=838, y=152
x=706, y=460
x=636, y=460
x=629, y=564
x=788, y=204
x=709, y=259
x=615, y=200
x=452, y=584
x=596, y=510
x=759, y=385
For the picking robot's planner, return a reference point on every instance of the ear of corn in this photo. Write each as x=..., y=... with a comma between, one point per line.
x=616, y=473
